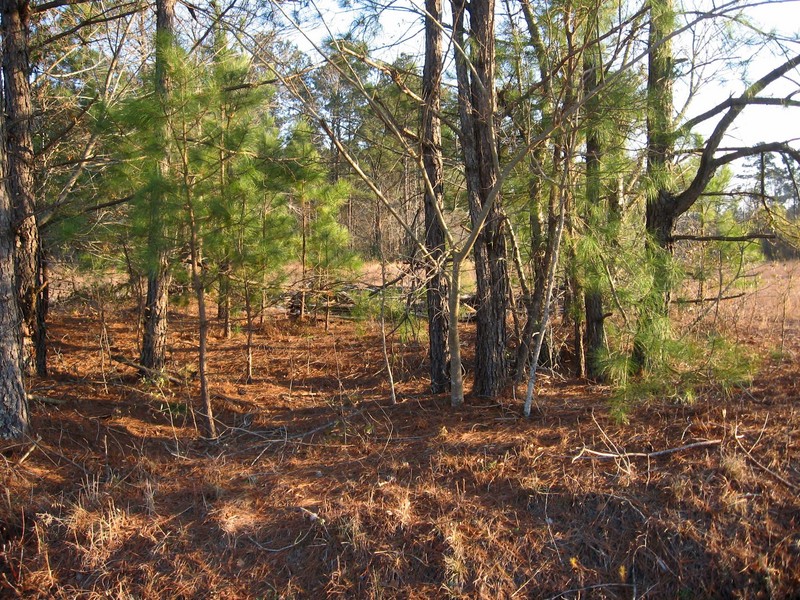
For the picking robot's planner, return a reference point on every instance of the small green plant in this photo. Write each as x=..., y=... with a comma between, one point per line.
x=173, y=409
x=686, y=368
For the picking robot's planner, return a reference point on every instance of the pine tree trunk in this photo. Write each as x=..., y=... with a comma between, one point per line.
x=154, y=341
x=19, y=144
x=224, y=299
x=661, y=210
x=248, y=374
x=476, y=112
x=594, y=333
x=436, y=293
x=202, y=313
x=13, y=404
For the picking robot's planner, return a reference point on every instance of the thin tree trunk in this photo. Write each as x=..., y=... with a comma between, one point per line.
x=542, y=249
x=456, y=375
x=574, y=299
x=384, y=346
x=154, y=340
x=249, y=311
x=594, y=334
x=224, y=300
x=551, y=276
x=13, y=403
x=541, y=241
x=42, y=310
x=660, y=213
x=200, y=294
x=436, y=292
x=19, y=172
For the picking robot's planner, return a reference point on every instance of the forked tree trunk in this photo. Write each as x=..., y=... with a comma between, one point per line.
x=542, y=248
x=548, y=297
x=13, y=404
x=436, y=293
x=20, y=163
x=542, y=234
x=475, y=75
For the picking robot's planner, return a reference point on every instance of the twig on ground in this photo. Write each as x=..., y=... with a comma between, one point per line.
x=292, y=545
x=792, y=486
x=45, y=400
x=297, y=437
x=616, y=454
x=312, y=515
x=648, y=455
x=66, y=458
x=30, y=450
x=588, y=588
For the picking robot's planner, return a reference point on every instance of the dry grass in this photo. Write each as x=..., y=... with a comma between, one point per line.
x=123, y=498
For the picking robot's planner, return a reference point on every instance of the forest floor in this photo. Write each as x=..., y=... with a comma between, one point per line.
x=318, y=487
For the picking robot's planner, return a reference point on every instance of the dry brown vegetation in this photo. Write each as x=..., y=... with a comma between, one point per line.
x=318, y=487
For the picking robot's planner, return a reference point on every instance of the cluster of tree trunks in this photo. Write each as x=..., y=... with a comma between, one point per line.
x=476, y=100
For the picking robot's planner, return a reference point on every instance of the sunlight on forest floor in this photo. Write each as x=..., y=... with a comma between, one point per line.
x=318, y=487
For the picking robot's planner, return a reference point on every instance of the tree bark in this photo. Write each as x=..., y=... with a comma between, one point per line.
x=436, y=293
x=154, y=340
x=661, y=212
x=20, y=165
x=475, y=75
x=224, y=298
x=594, y=333
x=13, y=403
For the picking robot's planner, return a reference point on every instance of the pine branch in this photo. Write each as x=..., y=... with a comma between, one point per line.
x=704, y=300
x=723, y=238
x=39, y=8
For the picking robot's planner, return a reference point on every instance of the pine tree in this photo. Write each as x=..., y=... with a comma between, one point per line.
x=154, y=341
x=325, y=255
x=13, y=402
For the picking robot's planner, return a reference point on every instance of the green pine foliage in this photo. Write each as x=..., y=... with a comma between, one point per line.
x=223, y=175
x=684, y=360
x=326, y=257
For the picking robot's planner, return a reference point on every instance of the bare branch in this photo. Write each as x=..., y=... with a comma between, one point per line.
x=708, y=164
x=738, y=102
